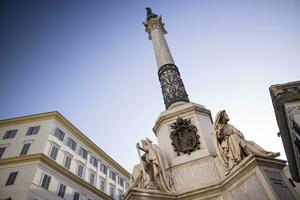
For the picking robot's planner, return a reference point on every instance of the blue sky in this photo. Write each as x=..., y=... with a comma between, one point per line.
x=92, y=61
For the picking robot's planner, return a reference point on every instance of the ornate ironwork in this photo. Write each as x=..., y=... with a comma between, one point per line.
x=171, y=84
x=184, y=136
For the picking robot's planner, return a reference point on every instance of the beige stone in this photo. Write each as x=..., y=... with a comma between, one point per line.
x=156, y=31
x=254, y=178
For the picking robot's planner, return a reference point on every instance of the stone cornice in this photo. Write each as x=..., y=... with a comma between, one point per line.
x=154, y=23
x=141, y=194
x=192, y=108
x=56, y=167
x=28, y=119
x=75, y=131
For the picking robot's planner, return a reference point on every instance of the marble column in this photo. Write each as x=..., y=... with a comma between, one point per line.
x=172, y=86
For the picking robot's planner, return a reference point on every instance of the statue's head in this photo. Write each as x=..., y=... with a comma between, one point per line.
x=150, y=14
x=148, y=141
x=144, y=143
x=224, y=117
x=148, y=10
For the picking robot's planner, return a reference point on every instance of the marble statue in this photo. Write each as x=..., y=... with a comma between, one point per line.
x=231, y=145
x=150, y=14
x=151, y=172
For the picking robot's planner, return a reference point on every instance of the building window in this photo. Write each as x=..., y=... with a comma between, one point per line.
x=94, y=161
x=46, y=181
x=92, y=178
x=80, y=170
x=10, y=134
x=71, y=143
x=11, y=178
x=53, y=152
x=61, y=190
x=83, y=152
x=25, y=149
x=33, y=130
x=76, y=196
x=59, y=134
x=112, y=175
x=102, y=185
x=120, y=195
x=126, y=186
x=111, y=191
x=2, y=149
x=120, y=181
x=297, y=135
x=103, y=168
x=67, y=162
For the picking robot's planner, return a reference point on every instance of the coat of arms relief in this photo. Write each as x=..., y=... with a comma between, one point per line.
x=184, y=136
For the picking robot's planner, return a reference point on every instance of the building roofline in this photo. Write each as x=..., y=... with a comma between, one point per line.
x=72, y=128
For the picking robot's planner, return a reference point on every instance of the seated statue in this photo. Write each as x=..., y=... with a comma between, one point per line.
x=231, y=145
x=151, y=172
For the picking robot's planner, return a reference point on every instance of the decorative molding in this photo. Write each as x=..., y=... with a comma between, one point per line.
x=42, y=158
x=28, y=119
x=194, y=108
x=172, y=85
x=20, y=159
x=154, y=23
x=73, y=130
x=145, y=194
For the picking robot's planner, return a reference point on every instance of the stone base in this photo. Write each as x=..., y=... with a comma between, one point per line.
x=147, y=194
x=195, y=174
x=254, y=178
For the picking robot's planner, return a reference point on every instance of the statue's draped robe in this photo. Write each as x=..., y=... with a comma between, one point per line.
x=139, y=178
x=161, y=176
x=157, y=172
x=232, y=147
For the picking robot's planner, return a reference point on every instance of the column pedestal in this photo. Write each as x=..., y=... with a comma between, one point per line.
x=254, y=178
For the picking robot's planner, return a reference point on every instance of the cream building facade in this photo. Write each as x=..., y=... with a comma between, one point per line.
x=44, y=156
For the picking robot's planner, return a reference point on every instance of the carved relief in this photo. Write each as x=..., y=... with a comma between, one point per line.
x=171, y=84
x=184, y=136
x=154, y=23
x=280, y=91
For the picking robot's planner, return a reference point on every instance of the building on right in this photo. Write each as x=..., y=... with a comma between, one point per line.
x=286, y=102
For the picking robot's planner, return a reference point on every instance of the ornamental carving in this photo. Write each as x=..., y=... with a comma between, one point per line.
x=171, y=84
x=286, y=91
x=184, y=136
x=154, y=23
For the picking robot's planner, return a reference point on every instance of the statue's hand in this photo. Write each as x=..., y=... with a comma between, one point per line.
x=137, y=145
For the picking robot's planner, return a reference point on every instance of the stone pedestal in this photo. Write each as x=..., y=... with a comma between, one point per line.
x=254, y=178
x=145, y=194
x=187, y=169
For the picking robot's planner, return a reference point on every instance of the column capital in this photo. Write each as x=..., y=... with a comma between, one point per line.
x=154, y=23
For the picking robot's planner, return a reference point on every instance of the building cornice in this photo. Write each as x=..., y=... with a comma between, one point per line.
x=73, y=130
x=56, y=167
x=28, y=119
